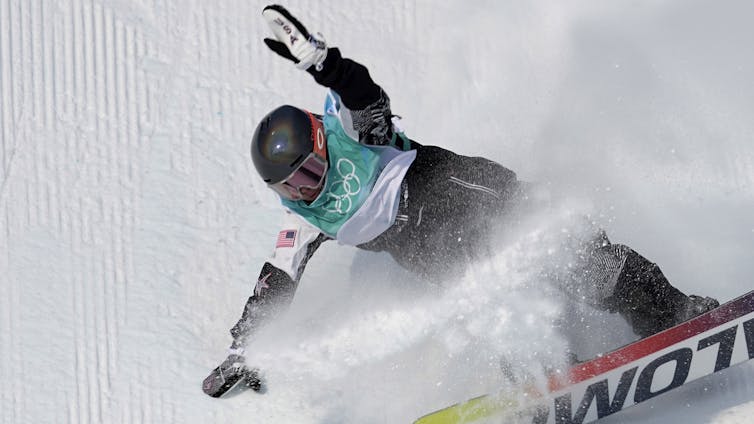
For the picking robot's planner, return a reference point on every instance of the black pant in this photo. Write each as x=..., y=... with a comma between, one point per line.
x=449, y=206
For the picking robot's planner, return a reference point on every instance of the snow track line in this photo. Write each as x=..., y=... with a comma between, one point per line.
x=72, y=98
x=10, y=123
x=13, y=401
x=7, y=329
x=6, y=319
x=6, y=117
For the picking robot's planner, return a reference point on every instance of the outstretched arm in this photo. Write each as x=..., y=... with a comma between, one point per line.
x=273, y=293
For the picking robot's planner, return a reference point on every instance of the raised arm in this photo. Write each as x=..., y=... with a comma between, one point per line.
x=368, y=104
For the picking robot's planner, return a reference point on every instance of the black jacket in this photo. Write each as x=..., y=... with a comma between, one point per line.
x=447, y=208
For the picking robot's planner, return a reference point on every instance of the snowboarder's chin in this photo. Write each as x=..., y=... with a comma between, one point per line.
x=309, y=194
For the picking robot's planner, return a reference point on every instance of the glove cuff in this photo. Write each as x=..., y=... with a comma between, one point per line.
x=312, y=53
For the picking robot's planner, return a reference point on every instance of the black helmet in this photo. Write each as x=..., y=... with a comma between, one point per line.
x=289, y=151
x=284, y=139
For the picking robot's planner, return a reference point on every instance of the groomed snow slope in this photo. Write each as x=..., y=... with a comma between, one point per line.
x=132, y=225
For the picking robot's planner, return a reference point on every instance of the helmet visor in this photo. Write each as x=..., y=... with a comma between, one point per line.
x=309, y=176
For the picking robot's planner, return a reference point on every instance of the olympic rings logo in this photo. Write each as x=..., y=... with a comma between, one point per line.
x=342, y=191
x=320, y=139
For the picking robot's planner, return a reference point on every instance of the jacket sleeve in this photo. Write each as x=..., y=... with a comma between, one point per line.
x=278, y=280
x=367, y=103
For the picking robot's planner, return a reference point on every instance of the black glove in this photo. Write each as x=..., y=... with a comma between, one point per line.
x=293, y=41
x=232, y=376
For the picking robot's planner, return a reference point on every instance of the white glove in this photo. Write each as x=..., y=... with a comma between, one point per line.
x=294, y=42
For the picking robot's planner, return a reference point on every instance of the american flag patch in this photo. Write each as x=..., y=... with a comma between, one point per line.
x=286, y=238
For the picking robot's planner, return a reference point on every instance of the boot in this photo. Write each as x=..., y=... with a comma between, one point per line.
x=696, y=306
x=645, y=298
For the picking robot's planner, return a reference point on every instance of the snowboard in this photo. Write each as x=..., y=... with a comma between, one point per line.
x=612, y=382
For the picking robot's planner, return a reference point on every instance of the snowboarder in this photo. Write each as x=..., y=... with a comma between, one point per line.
x=353, y=176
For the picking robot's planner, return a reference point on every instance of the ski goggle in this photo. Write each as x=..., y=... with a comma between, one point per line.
x=310, y=174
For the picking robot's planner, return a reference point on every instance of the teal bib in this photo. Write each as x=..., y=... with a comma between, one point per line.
x=352, y=171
